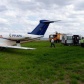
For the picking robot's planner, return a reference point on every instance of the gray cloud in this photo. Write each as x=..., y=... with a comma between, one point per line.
x=29, y=12
x=39, y=4
x=25, y=5
x=58, y=2
x=2, y=8
x=80, y=6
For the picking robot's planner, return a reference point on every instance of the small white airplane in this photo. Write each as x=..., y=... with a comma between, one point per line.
x=12, y=40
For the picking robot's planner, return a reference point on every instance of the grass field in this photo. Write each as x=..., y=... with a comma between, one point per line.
x=45, y=65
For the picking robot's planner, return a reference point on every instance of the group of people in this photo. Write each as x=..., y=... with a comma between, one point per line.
x=52, y=43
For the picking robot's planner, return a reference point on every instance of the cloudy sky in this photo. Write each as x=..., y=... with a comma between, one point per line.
x=24, y=15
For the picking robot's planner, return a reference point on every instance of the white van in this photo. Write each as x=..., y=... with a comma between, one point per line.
x=67, y=39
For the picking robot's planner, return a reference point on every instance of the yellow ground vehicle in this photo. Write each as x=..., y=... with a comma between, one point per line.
x=57, y=37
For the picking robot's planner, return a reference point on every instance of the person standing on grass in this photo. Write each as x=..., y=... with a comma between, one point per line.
x=52, y=43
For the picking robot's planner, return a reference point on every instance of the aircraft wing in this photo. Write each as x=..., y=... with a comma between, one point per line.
x=4, y=43
x=17, y=47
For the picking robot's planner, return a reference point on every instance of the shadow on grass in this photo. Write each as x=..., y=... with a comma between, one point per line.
x=17, y=52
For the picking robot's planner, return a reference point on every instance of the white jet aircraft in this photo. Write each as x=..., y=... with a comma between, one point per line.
x=12, y=40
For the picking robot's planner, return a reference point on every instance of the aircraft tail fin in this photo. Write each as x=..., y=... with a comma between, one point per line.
x=41, y=28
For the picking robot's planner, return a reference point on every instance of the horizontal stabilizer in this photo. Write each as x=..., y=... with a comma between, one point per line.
x=47, y=21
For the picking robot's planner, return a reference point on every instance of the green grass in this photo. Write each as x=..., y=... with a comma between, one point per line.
x=45, y=65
